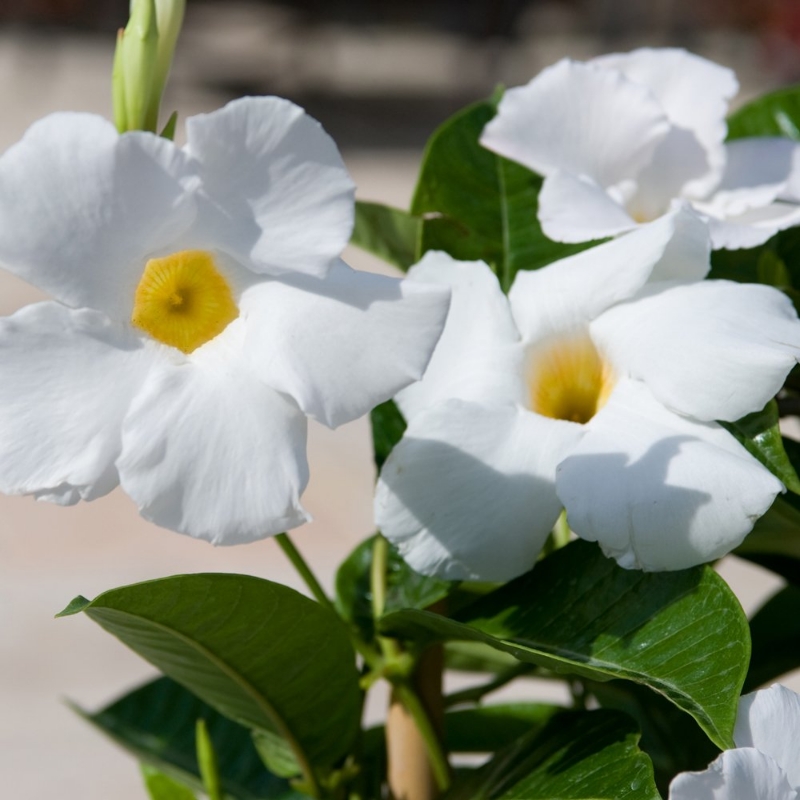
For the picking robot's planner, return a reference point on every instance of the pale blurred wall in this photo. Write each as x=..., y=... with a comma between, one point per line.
x=379, y=90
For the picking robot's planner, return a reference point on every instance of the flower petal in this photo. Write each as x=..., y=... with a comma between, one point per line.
x=753, y=227
x=714, y=350
x=693, y=92
x=81, y=207
x=209, y=451
x=676, y=163
x=342, y=344
x=658, y=491
x=68, y=379
x=479, y=356
x=468, y=493
x=756, y=172
x=607, y=130
x=743, y=774
x=282, y=197
x=569, y=293
x=769, y=720
x=573, y=208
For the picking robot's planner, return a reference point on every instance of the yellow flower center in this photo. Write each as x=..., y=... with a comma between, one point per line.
x=569, y=380
x=182, y=300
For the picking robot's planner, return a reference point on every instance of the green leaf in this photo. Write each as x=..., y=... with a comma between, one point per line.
x=773, y=114
x=156, y=723
x=258, y=652
x=487, y=729
x=760, y=434
x=388, y=427
x=484, y=205
x=389, y=233
x=587, y=755
x=476, y=657
x=682, y=634
x=161, y=787
x=672, y=739
x=276, y=754
x=775, y=631
x=169, y=128
x=404, y=587
x=75, y=606
x=207, y=761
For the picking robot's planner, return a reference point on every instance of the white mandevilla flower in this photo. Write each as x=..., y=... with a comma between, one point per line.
x=620, y=137
x=595, y=386
x=201, y=314
x=766, y=762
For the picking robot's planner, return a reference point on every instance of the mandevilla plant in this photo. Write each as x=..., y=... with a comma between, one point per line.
x=575, y=398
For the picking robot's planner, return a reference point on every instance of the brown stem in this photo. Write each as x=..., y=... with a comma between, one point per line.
x=411, y=776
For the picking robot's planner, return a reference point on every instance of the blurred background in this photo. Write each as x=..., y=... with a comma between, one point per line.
x=379, y=75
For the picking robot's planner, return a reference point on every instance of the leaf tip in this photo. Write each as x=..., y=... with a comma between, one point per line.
x=75, y=606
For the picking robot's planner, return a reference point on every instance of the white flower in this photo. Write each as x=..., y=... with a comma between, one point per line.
x=766, y=762
x=201, y=314
x=619, y=138
x=595, y=385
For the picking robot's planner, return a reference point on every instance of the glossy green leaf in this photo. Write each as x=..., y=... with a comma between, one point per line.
x=258, y=652
x=487, y=729
x=585, y=755
x=276, y=754
x=775, y=631
x=773, y=114
x=404, y=587
x=672, y=739
x=389, y=233
x=478, y=205
x=388, y=427
x=156, y=723
x=161, y=787
x=682, y=634
x=761, y=436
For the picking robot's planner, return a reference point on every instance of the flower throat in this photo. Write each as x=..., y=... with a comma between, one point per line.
x=182, y=300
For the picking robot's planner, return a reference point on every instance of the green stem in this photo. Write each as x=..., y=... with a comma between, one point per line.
x=380, y=562
x=476, y=693
x=436, y=755
x=561, y=531
x=299, y=563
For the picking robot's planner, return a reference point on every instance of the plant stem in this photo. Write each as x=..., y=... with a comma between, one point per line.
x=437, y=758
x=370, y=656
x=561, y=531
x=476, y=693
x=299, y=563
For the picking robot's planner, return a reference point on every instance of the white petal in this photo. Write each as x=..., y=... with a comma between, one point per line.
x=753, y=227
x=342, y=344
x=570, y=293
x=81, y=207
x=68, y=380
x=579, y=119
x=574, y=208
x=769, y=720
x=283, y=197
x=743, y=774
x=693, y=91
x=468, y=492
x=209, y=451
x=676, y=164
x=658, y=491
x=756, y=172
x=479, y=356
x=714, y=350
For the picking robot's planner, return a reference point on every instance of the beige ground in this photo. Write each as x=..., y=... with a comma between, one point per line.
x=47, y=554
